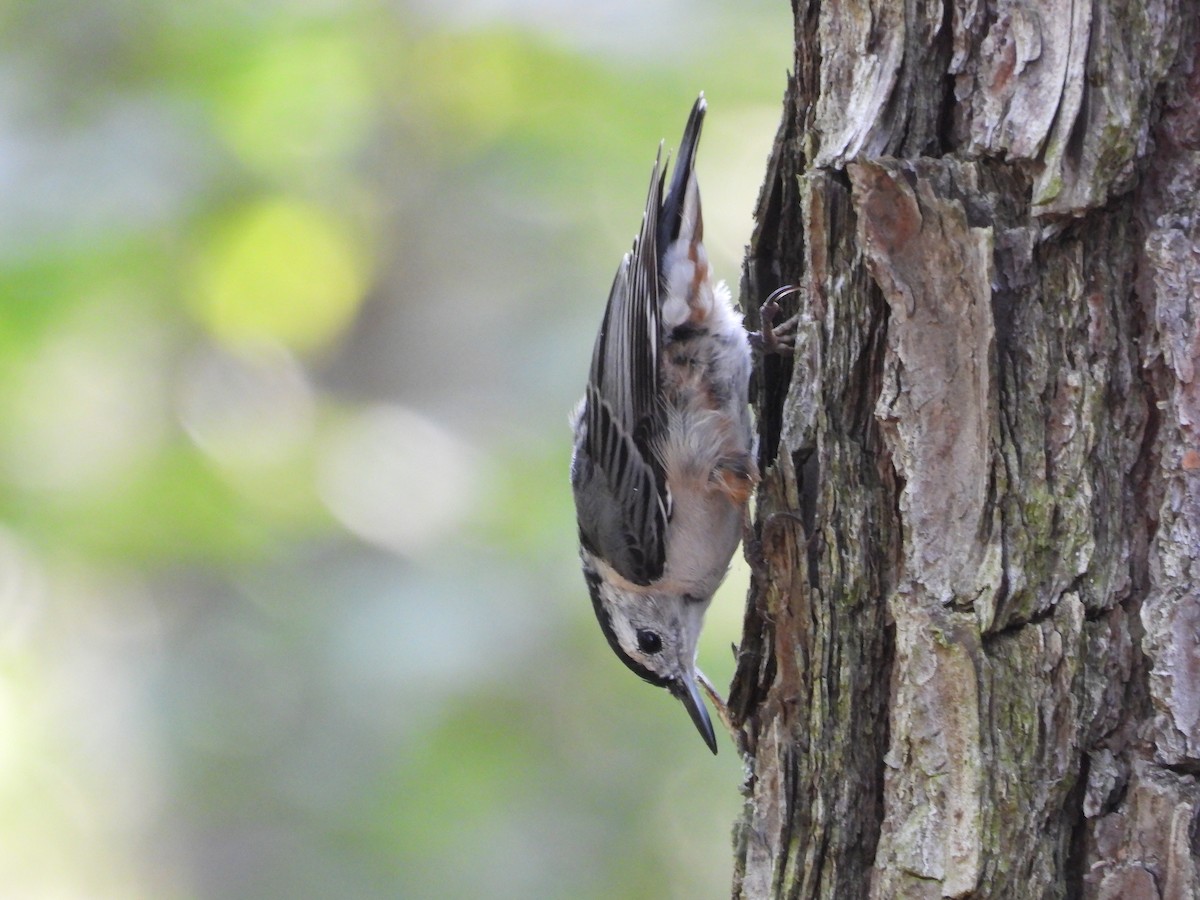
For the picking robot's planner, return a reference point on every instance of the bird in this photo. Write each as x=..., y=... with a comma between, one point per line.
x=664, y=457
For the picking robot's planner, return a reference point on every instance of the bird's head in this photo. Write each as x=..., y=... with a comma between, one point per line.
x=654, y=632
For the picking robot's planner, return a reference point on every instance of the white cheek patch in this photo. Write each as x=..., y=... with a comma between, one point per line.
x=624, y=630
x=633, y=611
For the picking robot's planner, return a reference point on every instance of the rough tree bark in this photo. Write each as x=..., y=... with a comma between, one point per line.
x=971, y=666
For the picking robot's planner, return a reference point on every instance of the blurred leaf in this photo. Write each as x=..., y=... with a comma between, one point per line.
x=174, y=510
x=525, y=508
x=304, y=101
x=37, y=292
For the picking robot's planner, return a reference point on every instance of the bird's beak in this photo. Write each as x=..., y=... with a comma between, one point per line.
x=689, y=695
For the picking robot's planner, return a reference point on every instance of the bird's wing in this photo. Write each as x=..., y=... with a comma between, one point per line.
x=620, y=487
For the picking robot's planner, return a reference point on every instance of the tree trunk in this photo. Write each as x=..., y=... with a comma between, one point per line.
x=971, y=663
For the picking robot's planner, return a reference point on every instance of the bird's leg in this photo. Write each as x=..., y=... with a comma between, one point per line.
x=774, y=338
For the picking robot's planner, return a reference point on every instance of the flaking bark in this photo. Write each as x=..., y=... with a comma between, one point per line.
x=971, y=664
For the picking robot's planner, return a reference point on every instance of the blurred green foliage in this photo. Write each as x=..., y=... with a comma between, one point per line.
x=294, y=301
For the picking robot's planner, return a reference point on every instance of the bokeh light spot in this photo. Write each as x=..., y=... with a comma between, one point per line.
x=281, y=271
x=397, y=479
x=248, y=409
x=85, y=408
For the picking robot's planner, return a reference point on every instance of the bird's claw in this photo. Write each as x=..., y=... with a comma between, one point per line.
x=774, y=338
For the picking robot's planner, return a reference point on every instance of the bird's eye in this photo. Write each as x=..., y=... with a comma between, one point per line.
x=648, y=641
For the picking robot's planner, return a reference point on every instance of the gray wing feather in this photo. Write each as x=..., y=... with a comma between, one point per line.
x=620, y=488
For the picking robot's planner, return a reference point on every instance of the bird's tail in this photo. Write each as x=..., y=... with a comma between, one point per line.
x=681, y=206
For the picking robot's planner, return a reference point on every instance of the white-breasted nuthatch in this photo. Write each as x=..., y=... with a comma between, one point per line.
x=664, y=458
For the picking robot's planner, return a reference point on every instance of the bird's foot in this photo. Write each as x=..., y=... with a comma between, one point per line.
x=774, y=338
